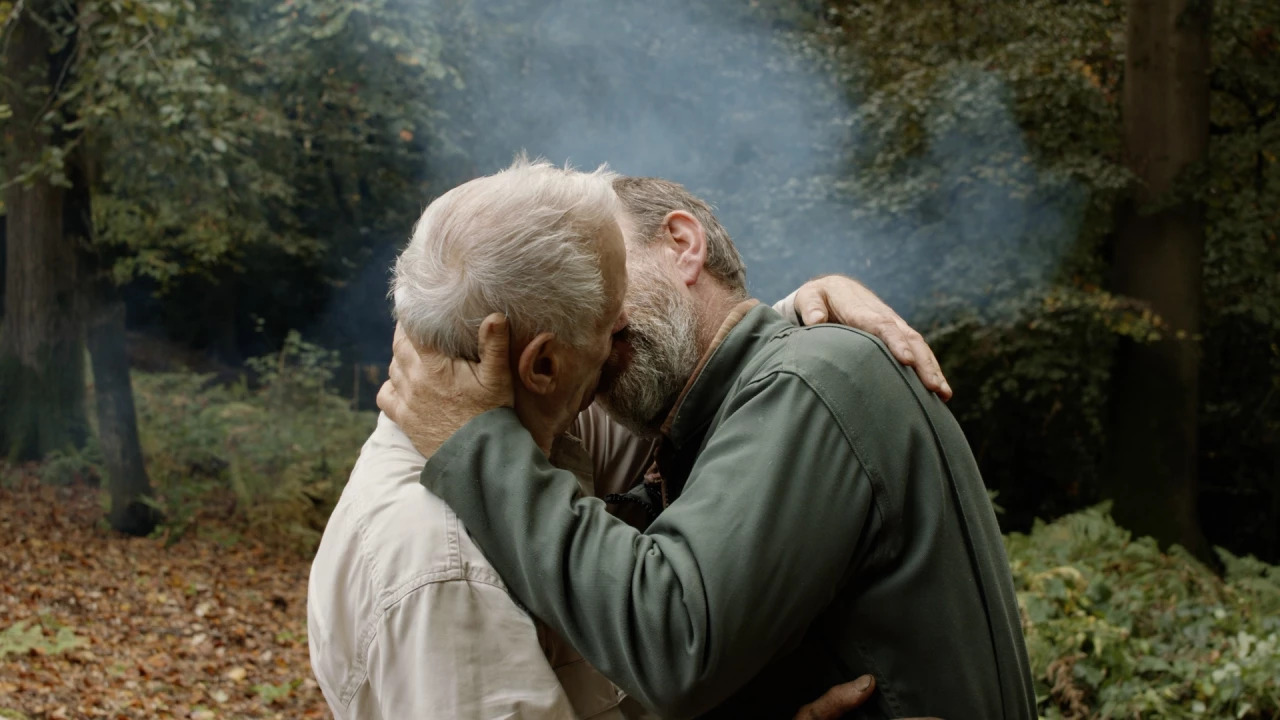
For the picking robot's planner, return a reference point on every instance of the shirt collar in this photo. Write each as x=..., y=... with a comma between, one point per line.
x=747, y=327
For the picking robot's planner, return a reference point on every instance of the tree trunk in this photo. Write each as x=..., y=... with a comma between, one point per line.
x=104, y=311
x=117, y=421
x=126, y=475
x=1153, y=454
x=41, y=351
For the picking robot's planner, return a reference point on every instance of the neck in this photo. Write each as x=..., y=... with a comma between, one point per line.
x=544, y=441
x=715, y=302
x=542, y=426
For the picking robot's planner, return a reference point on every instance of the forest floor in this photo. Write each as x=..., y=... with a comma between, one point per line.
x=94, y=624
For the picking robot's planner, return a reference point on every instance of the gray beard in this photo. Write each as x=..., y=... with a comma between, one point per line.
x=663, y=333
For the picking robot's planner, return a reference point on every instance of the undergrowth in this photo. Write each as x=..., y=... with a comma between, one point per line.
x=276, y=453
x=1118, y=629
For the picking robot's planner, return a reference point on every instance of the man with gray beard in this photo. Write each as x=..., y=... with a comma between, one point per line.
x=817, y=513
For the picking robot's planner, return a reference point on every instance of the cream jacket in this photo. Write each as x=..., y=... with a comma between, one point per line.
x=406, y=618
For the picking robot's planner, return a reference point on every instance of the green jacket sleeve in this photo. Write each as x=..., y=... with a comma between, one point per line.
x=685, y=613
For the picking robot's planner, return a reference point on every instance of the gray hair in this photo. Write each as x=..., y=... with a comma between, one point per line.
x=523, y=241
x=649, y=200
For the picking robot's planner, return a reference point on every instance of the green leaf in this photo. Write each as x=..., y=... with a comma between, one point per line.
x=23, y=637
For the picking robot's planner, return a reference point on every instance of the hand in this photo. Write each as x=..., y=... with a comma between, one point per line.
x=843, y=300
x=841, y=699
x=431, y=396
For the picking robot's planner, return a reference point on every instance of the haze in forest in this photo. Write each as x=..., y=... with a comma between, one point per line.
x=751, y=119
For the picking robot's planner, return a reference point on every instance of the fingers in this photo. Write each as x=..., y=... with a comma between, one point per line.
x=909, y=348
x=928, y=369
x=811, y=303
x=395, y=376
x=388, y=401
x=839, y=700
x=920, y=357
x=400, y=345
x=897, y=335
x=495, y=343
x=402, y=348
x=494, y=371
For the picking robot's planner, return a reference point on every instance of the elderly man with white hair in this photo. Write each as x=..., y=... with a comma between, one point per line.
x=406, y=616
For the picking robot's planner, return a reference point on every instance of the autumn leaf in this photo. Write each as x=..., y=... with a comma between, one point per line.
x=98, y=625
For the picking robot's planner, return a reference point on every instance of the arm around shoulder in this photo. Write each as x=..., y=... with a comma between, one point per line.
x=684, y=614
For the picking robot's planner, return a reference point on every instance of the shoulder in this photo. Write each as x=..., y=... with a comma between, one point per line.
x=843, y=365
x=880, y=404
x=831, y=347
x=390, y=528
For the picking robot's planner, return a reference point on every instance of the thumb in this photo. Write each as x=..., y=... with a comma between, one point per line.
x=495, y=347
x=812, y=306
x=839, y=700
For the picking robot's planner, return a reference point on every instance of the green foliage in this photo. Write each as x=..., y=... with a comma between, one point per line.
x=71, y=467
x=24, y=637
x=273, y=693
x=1117, y=629
x=281, y=450
x=1240, y=420
x=218, y=133
x=298, y=376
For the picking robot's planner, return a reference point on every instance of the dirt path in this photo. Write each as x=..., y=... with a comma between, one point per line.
x=96, y=625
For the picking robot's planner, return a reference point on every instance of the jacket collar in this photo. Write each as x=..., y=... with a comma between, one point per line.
x=744, y=331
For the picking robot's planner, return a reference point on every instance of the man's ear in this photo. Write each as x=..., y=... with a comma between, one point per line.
x=538, y=364
x=689, y=243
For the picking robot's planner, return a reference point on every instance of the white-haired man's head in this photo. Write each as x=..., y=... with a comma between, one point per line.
x=522, y=242
x=540, y=244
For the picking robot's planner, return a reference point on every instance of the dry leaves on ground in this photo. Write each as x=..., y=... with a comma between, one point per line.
x=97, y=625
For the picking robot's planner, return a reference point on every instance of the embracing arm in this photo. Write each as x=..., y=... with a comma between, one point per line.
x=682, y=615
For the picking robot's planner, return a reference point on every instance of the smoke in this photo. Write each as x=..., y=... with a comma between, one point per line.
x=759, y=122
x=770, y=130
x=715, y=100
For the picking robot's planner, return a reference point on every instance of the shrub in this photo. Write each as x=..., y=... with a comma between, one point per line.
x=1115, y=628
x=280, y=450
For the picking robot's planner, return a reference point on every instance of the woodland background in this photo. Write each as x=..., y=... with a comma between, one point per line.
x=1077, y=202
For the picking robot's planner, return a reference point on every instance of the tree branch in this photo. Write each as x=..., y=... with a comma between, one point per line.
x=9, y=24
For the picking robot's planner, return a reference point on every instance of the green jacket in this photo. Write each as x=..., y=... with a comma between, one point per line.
x=830, y=522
